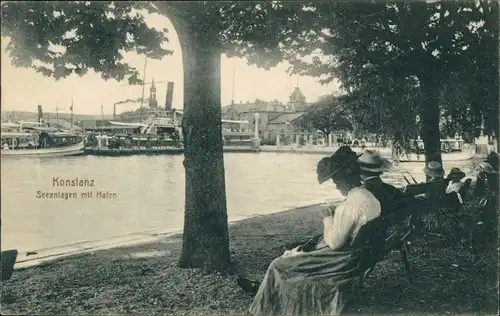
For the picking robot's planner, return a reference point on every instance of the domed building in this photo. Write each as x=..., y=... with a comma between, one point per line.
x=297, y=100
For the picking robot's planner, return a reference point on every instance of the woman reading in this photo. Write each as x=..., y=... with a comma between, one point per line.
x=320, y=277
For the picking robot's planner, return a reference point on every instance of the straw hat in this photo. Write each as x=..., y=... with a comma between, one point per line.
x=434, y=169
x=371, y=161
x=342, y=159
x=456, y=174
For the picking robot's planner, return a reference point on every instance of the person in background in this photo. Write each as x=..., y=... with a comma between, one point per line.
x=455, y=180
x=372, y=166
x=434, y=170
x=322, y=278
x=417, y=148
x=455, y=185
x=480, y=174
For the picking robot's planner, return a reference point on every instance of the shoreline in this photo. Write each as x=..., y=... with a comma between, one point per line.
x=144, y=278
x=30, y=258
x=386, y=152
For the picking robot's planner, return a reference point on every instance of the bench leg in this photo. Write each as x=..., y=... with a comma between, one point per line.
x=361, y=281
x=471, y=231
x=363, y=277
x=404, y=258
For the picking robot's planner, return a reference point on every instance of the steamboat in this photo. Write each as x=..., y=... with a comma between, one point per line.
x=32, y=139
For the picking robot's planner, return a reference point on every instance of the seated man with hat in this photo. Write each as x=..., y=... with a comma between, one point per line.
x=434, y=171
x=372, y=166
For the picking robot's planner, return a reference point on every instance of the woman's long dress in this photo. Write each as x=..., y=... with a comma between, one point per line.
x=321, y=281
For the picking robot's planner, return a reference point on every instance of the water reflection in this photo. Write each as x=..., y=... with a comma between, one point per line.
x=150, y=194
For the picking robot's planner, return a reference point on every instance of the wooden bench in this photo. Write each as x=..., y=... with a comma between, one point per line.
x=375, y=245
x=432, y=198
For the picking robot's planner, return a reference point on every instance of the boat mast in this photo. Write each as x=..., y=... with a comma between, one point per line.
x=102, y=119
x=143, y=83
x=71, y=108
x=234, y=71
x=57, y=116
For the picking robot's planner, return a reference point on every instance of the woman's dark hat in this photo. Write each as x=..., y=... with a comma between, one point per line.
x=371, y=161
x=329, y=166
x=456, y=174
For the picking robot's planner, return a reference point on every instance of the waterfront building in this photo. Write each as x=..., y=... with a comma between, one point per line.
x=275, y=118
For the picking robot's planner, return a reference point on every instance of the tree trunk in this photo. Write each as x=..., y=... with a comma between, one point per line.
x=205, y=237
x=430, y=114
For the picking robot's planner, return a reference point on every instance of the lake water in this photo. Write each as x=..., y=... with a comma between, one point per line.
x=149, y=194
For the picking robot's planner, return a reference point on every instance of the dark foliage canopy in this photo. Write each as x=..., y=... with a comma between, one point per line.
x=59, y=38
x=327, y=115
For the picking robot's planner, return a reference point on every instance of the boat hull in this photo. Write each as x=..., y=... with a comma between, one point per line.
x=155, y=151
x=72, y=150
x=134, y=151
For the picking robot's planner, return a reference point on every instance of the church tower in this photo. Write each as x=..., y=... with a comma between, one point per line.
x=297, y=98
x=153, y=103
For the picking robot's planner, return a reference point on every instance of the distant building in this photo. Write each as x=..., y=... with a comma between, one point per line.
x=274, y=118
x=283, y=125
x=297, y=101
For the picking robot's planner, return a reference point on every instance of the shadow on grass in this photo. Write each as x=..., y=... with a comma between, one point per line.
x=144, y=279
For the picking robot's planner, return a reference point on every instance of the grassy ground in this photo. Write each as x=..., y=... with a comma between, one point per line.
x=144, y=279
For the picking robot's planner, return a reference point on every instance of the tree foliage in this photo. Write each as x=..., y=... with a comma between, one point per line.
x=58, y=39
x=371, y=45
x=327, y=115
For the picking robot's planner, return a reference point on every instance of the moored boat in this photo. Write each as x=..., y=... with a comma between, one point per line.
x=37, y=141
x=70, y=150
x=161, y=133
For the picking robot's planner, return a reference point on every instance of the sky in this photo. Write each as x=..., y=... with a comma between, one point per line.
x=23, y=89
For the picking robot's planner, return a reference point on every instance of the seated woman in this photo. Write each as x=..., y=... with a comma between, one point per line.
x=455, y=180
x=320, y=277
x=455, y=184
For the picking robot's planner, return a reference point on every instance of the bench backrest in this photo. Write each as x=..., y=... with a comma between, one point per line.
x=492, y=178
x=370, y=239
x=465, y=187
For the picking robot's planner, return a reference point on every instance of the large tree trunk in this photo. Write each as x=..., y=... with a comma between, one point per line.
x=205, y=240
x=430, y=113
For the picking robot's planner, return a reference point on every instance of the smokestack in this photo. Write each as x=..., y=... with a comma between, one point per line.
x=170, y=94
x=40, y=114
x=114, y=110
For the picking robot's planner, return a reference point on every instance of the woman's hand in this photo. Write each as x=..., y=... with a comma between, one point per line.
x=308, y=246
x=328, y=211
x=293, y=252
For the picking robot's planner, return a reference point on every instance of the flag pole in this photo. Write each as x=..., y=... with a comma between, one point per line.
x=102, y=119
x=143, y=83
x=71, y=108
